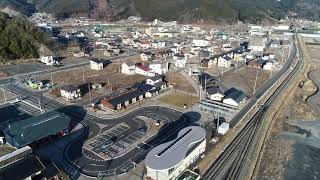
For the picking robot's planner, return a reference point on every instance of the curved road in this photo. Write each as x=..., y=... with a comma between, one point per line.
x=313, y=100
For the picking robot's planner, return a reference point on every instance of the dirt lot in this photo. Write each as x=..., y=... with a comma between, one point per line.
x=178, y=99
x=109, y=77
x=244, y=78
x=180, y=83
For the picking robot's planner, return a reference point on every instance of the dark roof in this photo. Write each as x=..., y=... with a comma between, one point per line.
x=24, y=132
x=226, y=57
x=125, y=97
x=142, y=87
x=214, y=90
x=96, y=60
x=22, y=168
x=159, y=84
x=155, y=78
x=50, y=170
x=69, y=88
x=235, y=94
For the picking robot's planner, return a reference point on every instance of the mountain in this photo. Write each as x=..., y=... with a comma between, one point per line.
x=187, y=10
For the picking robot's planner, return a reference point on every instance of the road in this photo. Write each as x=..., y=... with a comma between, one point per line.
x=90, y=164
x=233, y=162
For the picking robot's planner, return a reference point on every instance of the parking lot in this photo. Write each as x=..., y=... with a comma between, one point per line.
x=115, y=141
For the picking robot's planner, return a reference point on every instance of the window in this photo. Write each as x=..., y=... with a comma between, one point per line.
x=171, y=170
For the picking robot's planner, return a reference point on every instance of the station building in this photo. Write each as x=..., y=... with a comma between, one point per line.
x=169, y=160
x=24, y=132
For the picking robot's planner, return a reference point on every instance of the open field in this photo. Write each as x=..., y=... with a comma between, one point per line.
x=244, y=78
x=179, y=82
x=178, y=99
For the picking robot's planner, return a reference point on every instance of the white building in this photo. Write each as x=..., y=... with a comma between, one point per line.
x=200, y=43
x=167, y=161
x=224, y=61
x=157, y=82
x=70, y=92
x=144, y=70
x=128, y=68
x=215, y=93
x=234, y=97
x=223, y=128
x=96, y=64
x=268, y=66
x=160, y=67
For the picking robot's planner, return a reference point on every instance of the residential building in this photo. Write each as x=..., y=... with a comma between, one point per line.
x=70, y=92
x=224, y=61
x=215, y=93
x=159, y=67
x=144, y=70
x=128, y=68
x=123, y=100
x=48, y=60
x=200, y=43
x=234, y=97
x=96, y=64
x=167, y=161
x=180, y=60
x=268, y=66
x=157, y=82
x=146, y=56
x=207, y=63
x=22, y=133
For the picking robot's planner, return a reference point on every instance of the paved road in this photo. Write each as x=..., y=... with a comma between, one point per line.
x=90, y=164
x=313, y=101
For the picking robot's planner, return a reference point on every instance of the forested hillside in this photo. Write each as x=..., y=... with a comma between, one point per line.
x=19, y=38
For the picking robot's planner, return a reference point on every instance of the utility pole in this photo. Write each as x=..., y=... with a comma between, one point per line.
x=83, y=78
x=255, y=83
x=90, y=97
x=4, y=94
x=51, y=81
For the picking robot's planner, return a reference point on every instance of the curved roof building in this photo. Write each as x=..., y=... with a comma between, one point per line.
x=168, y=160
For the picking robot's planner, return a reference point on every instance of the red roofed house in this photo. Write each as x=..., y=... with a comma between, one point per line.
x=144, y=70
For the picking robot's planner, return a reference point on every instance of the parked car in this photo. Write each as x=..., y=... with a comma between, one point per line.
x=143, y=129
x=158, y=123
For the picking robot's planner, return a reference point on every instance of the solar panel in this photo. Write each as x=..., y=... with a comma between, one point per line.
x=174, y=142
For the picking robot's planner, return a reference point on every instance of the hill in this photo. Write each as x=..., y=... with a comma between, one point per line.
x=19, y=39
x=187, y=10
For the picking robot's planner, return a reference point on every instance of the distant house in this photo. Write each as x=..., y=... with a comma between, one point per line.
x=123, y=100
x=215, y=93
x=180, y=60
x=224, y=61
x=276, y=43
x=268, y=66
x=96, y=64
x=207, y=63
x=149, y=90
x=238, y=54
x=159, y=67
x=146, y=56
x=128, y=68
x=144, y=70
x=70, y=92
x=48, y=60
x=234, y=97
x=164, y=53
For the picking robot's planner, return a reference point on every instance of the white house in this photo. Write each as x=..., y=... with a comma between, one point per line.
x=234, y=97
x=145, y=56
x=159, y=67
x=70, y=92
x=215, y=93
x=268, y=66
x=168, y=160
x=224, y=61
x=128, y=68
x=153, y=80
x=144, y=70
x=180, y=62
x=200, y=42
x=96, y=64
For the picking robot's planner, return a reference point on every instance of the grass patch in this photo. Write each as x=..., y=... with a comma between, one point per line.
x=179, y=99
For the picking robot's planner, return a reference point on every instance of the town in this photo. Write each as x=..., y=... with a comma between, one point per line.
x=134, y=99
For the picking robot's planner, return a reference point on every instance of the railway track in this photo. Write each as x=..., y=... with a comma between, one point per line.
x=231, y=163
